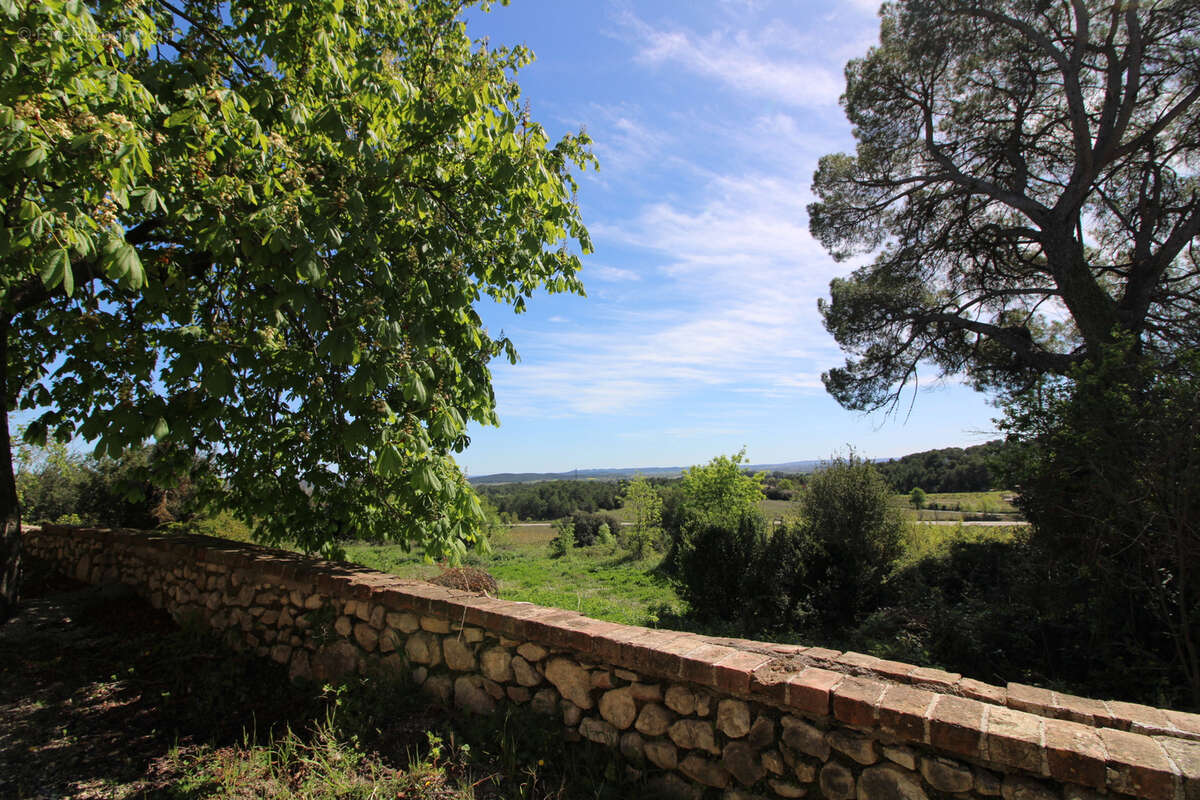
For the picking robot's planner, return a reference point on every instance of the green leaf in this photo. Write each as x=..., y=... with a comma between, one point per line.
x=181, y=117
x=389, y=462
x=31, y=157
x=426, y=480
x=415, y=392
x=121, y=262
x=54, y=266
x=217, y=380
x=161, y=429
x=341, y=347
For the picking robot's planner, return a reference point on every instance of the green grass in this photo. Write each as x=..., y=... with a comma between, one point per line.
x=960, y=507
x=601, y=582
x=922, y=541
x=779, y=509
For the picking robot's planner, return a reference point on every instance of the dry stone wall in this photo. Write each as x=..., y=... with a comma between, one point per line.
x=693, y=716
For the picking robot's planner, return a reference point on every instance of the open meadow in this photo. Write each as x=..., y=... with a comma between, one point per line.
x=599, y=581
x=605, y=582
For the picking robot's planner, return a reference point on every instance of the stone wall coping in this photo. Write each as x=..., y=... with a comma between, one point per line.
x=1124, y=747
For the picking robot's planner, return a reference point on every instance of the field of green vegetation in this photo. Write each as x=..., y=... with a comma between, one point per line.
x=605, y=582
x=601, y=581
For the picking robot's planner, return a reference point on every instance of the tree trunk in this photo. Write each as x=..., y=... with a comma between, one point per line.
x=10, y=513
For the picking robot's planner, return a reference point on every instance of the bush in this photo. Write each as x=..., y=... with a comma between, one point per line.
x=718, y=566
x=587, y=527
x=1106, y=465
x=564, y=541
x=854, y=539
x=54, y=485
x=821, y=574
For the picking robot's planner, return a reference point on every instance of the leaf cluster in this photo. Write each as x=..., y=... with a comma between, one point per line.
x=259, y=231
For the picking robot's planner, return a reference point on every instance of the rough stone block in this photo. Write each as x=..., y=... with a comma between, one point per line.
x=470, y=695
x=663, y=755
x=701, y=770
x=599, y=731
x=618, y=707
x=800, y=736
x=837, y=782
x=855, y=700
x=366, y=636
x=786, y=788
x=681, y=700
x=571, y=680
x=902, y=711
x=633, y=747
x=1018, y=787
x=859, y=748
x=956, y=725
x=496, y=664
x=1137, y=765
x=947, y=776
x=903, y=756
x=733, y=718
x=889, y=782
x=1074, y=753
x=423, y=648
x=460, y=656
x=653, y=720
x=693, y=734
x=1014, y=739
x=742, y=762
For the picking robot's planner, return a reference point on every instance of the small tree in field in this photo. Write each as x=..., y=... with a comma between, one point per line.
x=719, y=492
x=257, y=232
x=917, y=497
x=646, y=531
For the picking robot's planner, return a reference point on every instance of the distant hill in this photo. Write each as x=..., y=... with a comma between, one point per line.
x=625, y=472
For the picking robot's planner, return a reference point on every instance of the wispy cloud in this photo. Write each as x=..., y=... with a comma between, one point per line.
x=707, y=289
x=741, y=275
x=601, y=272
x=745, y=61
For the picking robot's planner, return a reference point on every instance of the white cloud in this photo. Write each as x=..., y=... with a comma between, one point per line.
x=745, y=61
x=740, y=274
x=602, y=272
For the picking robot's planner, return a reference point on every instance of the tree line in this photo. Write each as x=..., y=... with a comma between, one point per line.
x=948, y=469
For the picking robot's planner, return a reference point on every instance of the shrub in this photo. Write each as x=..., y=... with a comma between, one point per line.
x=1106, y=464
x=587, y=526
x=564, y=541
x=718, y=565
x=854, y=538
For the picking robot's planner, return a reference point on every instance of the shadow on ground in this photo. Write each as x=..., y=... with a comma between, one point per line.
x=105, y=697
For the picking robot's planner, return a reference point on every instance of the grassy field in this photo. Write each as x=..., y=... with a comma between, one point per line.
x=604, y=582
x=961, y=506
x=601, y=582
x=922, y=541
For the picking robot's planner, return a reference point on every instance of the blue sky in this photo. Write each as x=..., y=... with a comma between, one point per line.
x=700, y=332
